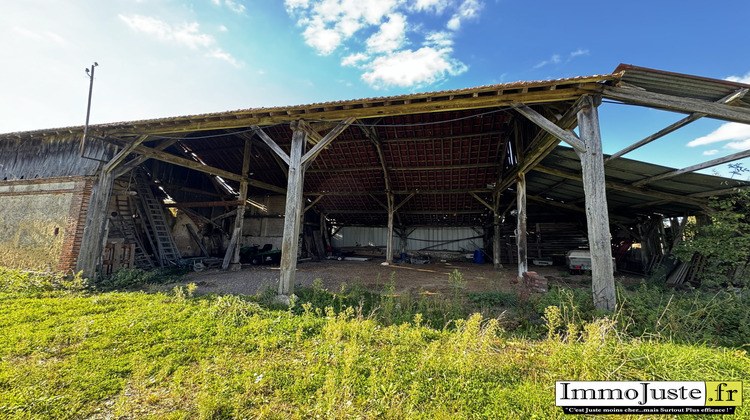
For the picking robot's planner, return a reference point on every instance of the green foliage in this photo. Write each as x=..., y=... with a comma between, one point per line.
x=138, y=355
x=716, y=318
x=724, y=244
x=130, y=278
x=34, y=283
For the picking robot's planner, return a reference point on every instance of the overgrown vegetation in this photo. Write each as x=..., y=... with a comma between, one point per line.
x=722, y=247
x=71, y=352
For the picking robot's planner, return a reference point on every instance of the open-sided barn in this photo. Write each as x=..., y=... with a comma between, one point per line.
x=476, y=168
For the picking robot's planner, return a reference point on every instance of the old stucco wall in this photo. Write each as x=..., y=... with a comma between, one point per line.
x=40, y=222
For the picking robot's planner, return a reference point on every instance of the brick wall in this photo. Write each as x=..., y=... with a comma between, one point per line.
x=79, y=206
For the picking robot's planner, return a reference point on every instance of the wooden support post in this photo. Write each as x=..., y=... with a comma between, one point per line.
x=92, y=242
x=523, y=265
x=496, y=233
x=290, y=241
x=389, y=244
x=597, y=216
x=233, y=252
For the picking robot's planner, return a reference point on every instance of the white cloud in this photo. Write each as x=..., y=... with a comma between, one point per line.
x=235, y=6
x=728, y=131
x=739, y=145
x=375, y=33
x=552, y=60
x=40, y=36
x=710, y=152
x=390, y=37
x=354, y=60
x=436, y=6
x=740, y=79
x=186, y=34
x=469, y=9
x=579, y=52
x=409, y=68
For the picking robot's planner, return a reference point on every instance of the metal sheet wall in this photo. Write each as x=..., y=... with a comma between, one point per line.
x=451, y=239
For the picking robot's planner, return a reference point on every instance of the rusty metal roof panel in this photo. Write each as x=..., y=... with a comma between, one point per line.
x=678, y=84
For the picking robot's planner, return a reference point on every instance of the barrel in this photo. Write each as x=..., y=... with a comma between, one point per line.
x=478, y=257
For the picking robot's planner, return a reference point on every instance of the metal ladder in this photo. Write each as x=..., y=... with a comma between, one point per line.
x=123, y=221
x=155, y=225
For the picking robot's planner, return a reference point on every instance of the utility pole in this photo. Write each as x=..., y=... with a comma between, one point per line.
x=88, y=108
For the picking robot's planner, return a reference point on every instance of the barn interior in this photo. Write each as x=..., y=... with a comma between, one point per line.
x=498, y=170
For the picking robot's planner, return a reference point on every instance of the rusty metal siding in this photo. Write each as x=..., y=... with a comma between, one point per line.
x=437, y=239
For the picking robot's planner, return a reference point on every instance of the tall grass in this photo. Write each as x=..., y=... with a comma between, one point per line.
x=74, y=353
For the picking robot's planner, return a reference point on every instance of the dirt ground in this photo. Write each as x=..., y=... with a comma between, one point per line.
x=372, y=274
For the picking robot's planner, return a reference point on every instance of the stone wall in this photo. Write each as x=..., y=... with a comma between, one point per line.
x=41, y=222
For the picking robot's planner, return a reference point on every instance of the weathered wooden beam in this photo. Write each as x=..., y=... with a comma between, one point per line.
x=740, y=93
x=624, y=187
x=199, y=204
x=597, y=216
x=484, y=203
x=550, y=127
x=554, y=203
x=122, y=154
x=389, y=243
x=541, y=147
x=197, y=166
x=496, y=245
x=232, y=255
x=693, y=168
x=402, y=192
x=678, y=103
x=125, y=167
x=314, y=202
x=313, y=137
x=94, y=230
x=326, y=140
x=523, y=264
x=271, y=144
x=292, y=213
x=395, y=209
x=405, y=168
x=368, y=109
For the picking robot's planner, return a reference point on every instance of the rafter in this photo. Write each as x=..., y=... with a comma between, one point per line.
x=705, y=165
x=738, y=94
x=677, y=103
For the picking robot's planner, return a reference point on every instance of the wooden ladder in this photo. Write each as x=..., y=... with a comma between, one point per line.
x=155, y=222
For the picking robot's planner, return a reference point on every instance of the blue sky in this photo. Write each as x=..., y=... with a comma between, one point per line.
x=162, y=58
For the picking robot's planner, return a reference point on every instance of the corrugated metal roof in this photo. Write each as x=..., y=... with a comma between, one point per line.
x=677, y=84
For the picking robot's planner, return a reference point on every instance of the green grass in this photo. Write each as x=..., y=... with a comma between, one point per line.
x=69, y=353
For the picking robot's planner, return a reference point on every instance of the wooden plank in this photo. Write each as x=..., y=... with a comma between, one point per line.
x=240, y=219
x=693, y=168
x=125, y=167
x=196, y=166
x=625, y=187
x=389, y=243
x=309, y=206
x=679, y=124
x=326, y=140
x=406, y=168
x=523, y=264
x=597, y=216
x=290, y=240
x=122, y=154
x=94, y=230
x=271, y=144
x=484, y=203
x=201, y=204
x=550, y=127
x=678, y=103
x=496, y=245
x=242, y=120
x=395, y=209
